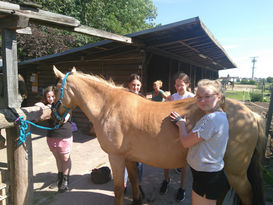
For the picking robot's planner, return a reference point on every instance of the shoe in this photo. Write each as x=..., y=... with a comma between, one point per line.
x=64, y=186
x=164, y=187
x=178, y=170
x=180, y=196
x=58, y=182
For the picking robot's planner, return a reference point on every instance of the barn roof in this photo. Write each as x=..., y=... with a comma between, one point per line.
x=188, y=41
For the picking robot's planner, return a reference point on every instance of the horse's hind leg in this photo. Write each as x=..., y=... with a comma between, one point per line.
x=133, y=177
x=242, y=188
x=118, y=167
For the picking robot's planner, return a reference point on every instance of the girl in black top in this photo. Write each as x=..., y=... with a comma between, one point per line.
x=59, y=141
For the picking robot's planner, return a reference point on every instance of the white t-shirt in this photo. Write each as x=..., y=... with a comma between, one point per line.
x=208, y=155
x=176, y=96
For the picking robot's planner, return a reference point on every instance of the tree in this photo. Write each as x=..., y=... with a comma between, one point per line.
x=117, y=16
x=269, y=79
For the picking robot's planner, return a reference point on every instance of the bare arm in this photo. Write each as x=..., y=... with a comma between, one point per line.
x=186, y=139
x=164, y=95
x=169, y=98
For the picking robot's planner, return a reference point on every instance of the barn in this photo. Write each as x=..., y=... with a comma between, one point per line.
x=155, y=54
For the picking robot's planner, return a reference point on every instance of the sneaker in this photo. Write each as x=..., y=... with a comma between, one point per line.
x=180, y=196
x=164, y=187
x=178, y=170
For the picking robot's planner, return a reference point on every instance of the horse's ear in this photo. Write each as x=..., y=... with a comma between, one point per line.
x=73, y=69
x=58, y=73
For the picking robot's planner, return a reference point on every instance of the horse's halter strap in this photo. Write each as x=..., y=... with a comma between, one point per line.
x=59, y=102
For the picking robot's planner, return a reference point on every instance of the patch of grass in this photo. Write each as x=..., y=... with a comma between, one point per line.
x=268, y=176
x=238, y=95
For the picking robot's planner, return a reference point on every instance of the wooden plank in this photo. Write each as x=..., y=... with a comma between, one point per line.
x=14, y=22
x=38, y=14
x=26, y=30
x=34, y=113
x=102, y=34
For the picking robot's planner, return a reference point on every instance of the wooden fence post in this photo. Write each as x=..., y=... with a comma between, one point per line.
x=269, y=113
x=20, y=168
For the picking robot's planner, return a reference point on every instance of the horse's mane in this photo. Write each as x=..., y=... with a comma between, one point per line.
x=99, y=79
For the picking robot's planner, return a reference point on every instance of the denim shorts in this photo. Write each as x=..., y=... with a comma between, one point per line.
x=209, y=184
x=62, y=145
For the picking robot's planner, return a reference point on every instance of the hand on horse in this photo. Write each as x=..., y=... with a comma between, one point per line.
x=175, y=117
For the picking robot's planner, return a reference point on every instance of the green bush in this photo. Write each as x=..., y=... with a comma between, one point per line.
x=256, y=97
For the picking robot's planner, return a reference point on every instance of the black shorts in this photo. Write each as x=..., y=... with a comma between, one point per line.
x=209, y=184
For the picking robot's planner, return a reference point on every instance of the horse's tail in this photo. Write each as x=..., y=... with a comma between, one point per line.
x=254, y=172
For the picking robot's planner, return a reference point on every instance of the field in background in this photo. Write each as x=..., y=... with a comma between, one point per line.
x=242, y=92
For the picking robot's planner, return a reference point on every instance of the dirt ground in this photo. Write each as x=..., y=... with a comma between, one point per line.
x=87, y=155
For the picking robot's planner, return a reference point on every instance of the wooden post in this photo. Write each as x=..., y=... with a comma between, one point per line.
x=19, y=158
x=10, y=70
x=269, y=114
x=20, y=168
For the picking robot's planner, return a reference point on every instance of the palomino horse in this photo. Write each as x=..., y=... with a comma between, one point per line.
x=133, y=129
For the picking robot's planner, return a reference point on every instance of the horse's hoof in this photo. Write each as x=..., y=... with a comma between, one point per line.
x=137, y=202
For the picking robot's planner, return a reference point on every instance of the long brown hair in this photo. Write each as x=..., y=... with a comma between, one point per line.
x=185, y=78
x=47, y=90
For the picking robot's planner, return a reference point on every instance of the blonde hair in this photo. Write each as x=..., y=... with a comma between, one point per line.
x=159, y=83
x=216, y=85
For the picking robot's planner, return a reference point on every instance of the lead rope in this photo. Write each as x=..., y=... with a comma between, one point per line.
x=24, y=126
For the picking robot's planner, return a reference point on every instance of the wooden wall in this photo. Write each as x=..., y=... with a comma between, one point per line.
x=117, y=68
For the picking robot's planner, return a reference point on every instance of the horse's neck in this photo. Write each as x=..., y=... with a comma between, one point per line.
x=92, y=97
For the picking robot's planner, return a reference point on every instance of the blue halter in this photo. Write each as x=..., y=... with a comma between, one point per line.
x=59, y=102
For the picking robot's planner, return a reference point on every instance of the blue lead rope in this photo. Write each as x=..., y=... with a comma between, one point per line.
x=24, y=127
x=23, y=123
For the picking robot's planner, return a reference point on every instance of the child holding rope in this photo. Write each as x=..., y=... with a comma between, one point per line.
x=207, y=143
x=59, y=141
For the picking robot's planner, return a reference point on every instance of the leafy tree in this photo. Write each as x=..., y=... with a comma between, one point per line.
x=269, y=79
x=116, y=16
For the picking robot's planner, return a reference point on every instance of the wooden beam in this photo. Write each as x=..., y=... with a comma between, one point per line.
x=102, y=34
x=38, y=14
x=10, y=70
x=14, y=22
x=26, y=30
x=177, y=57
x=34, y=113
x=58, y=20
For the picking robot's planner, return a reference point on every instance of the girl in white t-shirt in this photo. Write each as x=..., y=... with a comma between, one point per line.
x=207, y=143
x=182, y=86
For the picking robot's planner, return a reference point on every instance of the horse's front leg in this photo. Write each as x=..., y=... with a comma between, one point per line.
x=118, y=166
x=133, y=177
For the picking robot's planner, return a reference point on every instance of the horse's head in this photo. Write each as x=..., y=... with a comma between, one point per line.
x=64, y=103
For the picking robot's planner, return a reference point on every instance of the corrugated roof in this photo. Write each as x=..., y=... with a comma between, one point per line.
x=188, y=40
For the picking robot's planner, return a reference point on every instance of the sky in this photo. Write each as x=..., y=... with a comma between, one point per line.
x=244, y=28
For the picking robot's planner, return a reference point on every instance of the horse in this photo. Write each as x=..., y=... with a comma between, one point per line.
x=133, y=129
